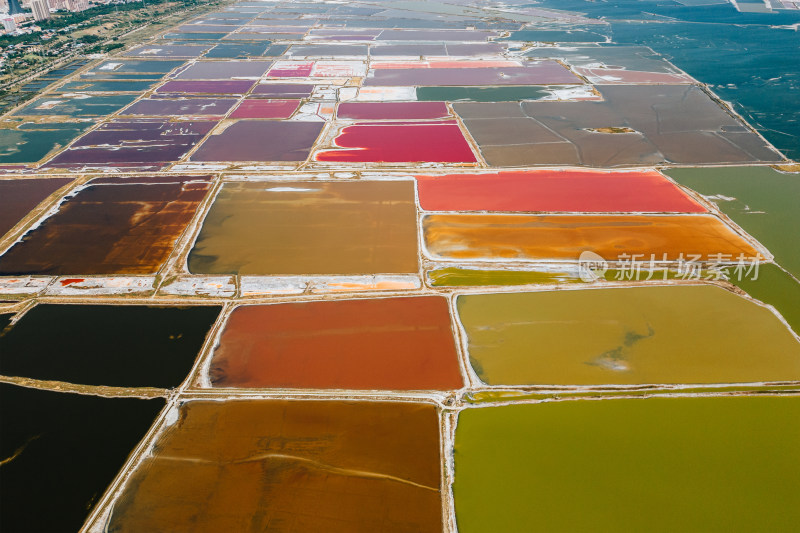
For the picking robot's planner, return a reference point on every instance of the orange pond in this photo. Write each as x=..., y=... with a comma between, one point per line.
x=389, y=343
x=564, y=237
x=289, y=466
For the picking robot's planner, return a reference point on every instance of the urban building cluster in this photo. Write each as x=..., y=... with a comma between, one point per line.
x=14, y=13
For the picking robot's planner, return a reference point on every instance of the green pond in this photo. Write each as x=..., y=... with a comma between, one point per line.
x=761, y=200
x=481, y=94
x=30, y=142
x=677, y=464
x=466, y=277
x=127, y=85
x=777, y=288
x=76, y=105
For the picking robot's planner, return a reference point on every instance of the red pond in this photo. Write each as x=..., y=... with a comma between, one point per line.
x=555, y=191
x=387, y=343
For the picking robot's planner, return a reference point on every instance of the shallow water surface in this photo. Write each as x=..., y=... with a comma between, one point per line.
x=122, y=345
x=391, y=344
x=31, y=142
x=261, y=228
x=554, y=191
x=761, y=200
x=133, y=224
x=60, y=451
x=287, y=466
x=19, y=196
x=677, y=464
x=565, y=237
x=626, y=336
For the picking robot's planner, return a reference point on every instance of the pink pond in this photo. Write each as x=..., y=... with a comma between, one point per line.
x=441, y=142
x=291, y=69
x=264, y=108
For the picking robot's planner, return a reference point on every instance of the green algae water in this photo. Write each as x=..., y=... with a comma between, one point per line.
x=516, y=395
x=777, y=288
x=465, y=277
x=677, y=464
x=481, y=94
x=626, y=336
x=76, y=105
x=761, y=200
x=30, y=142
x=106, y=86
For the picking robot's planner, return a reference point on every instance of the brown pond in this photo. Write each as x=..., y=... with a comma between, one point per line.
x=19, y=196
x=122, y=227
x=261, y=228
x=289, y=466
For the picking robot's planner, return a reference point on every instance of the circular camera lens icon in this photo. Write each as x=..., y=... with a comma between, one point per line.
x=591, y=266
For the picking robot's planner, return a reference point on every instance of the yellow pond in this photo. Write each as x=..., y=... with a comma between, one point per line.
x=640, y=335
